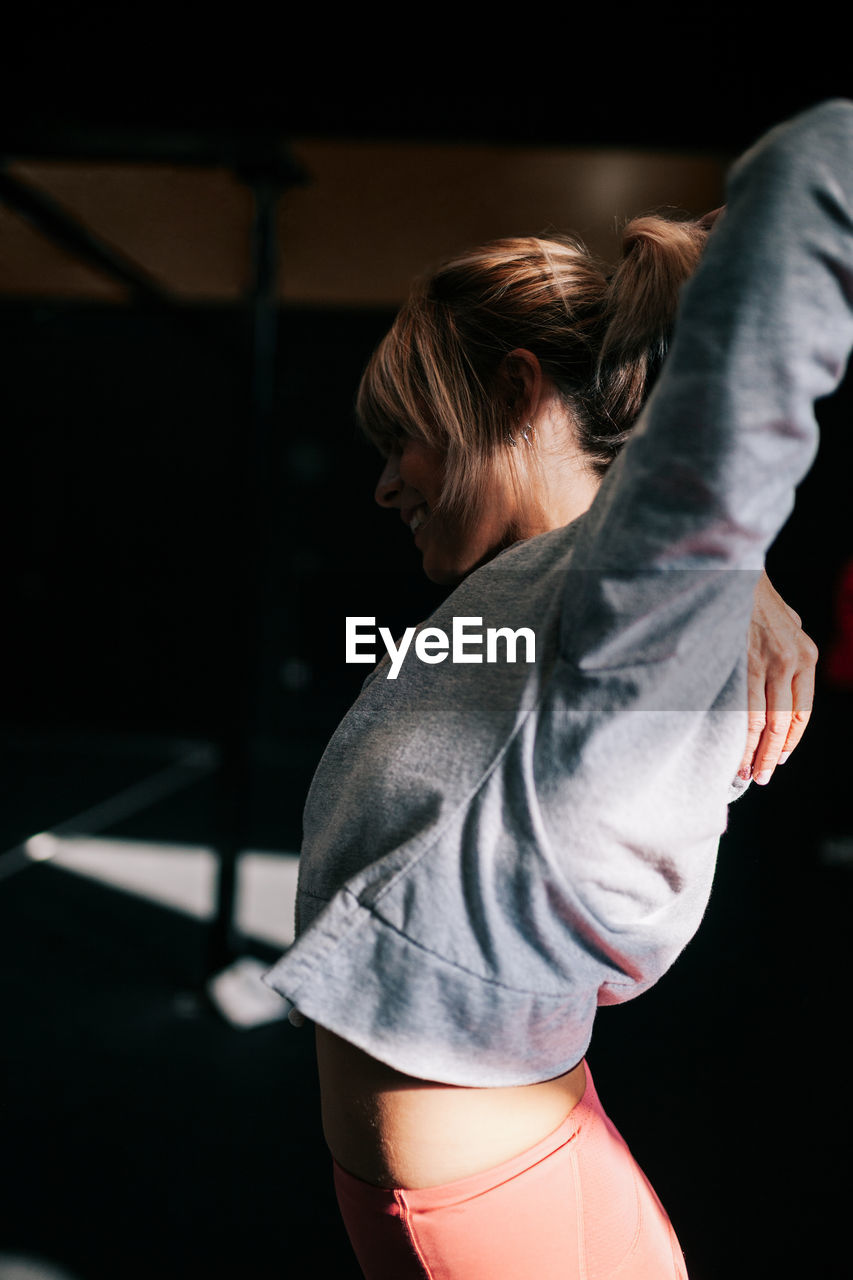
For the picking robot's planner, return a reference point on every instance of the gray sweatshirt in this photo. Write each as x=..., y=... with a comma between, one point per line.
x=492, y=850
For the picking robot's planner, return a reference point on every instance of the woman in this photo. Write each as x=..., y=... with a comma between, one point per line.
x=492, y=849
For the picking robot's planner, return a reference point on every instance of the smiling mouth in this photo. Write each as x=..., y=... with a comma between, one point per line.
x=420, y=516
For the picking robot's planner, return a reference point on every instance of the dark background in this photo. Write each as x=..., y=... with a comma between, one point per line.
x=145, y=1135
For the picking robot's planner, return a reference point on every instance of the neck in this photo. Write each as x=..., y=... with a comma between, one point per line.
x=566, y=483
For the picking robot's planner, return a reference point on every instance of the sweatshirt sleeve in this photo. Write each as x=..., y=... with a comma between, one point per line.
x=764, y=330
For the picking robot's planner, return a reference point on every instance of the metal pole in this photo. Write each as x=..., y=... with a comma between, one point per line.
x=250, y=537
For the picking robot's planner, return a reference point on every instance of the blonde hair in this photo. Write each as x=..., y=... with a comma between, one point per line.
x=440, y=372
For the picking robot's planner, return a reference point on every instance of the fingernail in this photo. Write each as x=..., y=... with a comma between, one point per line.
x=745, y=773
x=764, y=777
x=783, y=757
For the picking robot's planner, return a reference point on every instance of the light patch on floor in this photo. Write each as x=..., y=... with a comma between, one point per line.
x=183, y=877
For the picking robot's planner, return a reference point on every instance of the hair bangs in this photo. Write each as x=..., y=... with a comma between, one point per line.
x=393, y=395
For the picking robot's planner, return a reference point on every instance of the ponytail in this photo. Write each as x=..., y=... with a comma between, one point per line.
x=658, y=255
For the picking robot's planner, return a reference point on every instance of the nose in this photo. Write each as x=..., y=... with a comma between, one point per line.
x=390, y=486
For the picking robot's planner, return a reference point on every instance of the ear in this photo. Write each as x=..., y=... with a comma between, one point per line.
x=523, y=378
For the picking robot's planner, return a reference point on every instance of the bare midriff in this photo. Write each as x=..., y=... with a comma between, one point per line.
x=395, y=1130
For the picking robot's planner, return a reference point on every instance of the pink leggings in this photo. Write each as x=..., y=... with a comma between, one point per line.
x=574, y=1207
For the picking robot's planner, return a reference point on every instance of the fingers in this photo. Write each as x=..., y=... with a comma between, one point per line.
x=803, y=691
x=771, y=744
x=782, y=661
x=775, y=732
x=757, y=720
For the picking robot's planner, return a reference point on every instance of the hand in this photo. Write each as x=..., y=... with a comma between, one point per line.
x=781, y=680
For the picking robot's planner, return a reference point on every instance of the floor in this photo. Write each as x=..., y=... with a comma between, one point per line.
x=149, y=1133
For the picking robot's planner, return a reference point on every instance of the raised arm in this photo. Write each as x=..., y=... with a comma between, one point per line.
x=764, y=330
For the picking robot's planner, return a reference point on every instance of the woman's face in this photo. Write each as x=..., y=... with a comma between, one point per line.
x=412, y=481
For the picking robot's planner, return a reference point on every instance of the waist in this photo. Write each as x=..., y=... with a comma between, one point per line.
x=395, y=1130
